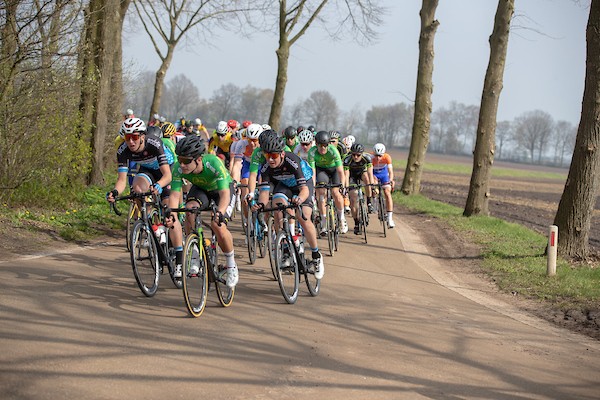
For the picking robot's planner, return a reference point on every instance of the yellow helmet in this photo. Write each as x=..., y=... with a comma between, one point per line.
x=168, y=129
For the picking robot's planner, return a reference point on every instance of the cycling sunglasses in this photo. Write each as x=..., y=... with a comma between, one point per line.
x=272, y=156
x=185, y=160
x=132, y=136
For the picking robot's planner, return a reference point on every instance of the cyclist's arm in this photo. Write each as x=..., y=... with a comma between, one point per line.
x=166, y=176
x=303, y=194
x=340, y=172
x=236, y=169
x=391, y=172
x=224, y=199
x=121, y=181
x=346, y=181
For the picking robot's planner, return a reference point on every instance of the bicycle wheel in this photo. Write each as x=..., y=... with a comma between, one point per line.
x=313, y=284
x=271, y=245
x=224, y=292
x=382, y=212
x=331, y=228
x=144, y=260
x=261, y=240
x=287, y=269
x=194, y=277
x=132, y=216
x=362, y=217
x=251, y=238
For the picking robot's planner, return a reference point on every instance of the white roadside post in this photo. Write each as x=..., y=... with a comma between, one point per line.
x=552, y=251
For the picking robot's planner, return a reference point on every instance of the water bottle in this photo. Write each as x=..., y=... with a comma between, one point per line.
x=161, y=233
x=299, y=242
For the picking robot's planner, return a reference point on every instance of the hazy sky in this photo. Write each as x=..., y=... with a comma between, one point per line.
x=545, y=66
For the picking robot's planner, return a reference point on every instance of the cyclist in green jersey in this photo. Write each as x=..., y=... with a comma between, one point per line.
x=326, y=162
x=291, y=139
x=210, y=181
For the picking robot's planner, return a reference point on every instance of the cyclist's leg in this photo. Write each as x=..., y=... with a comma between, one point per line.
x=387, y=191
x=338, y=200
x=224, y=237
x=310, y=234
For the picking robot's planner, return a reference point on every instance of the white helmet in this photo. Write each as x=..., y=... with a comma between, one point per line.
x=132, y=125
x=253, y=131
x=348, y=141
x=306, y=136
x=156, y=116
x=129, y=111
x=379, y=149
x=222, y=127
x=266, y=127
x=198, y=121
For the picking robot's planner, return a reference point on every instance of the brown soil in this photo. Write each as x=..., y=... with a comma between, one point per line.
x=527, y=202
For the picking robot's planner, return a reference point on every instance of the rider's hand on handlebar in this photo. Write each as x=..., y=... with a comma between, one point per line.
x=112, y=195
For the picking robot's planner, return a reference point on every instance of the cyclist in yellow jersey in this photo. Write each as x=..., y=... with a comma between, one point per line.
x=220, y=143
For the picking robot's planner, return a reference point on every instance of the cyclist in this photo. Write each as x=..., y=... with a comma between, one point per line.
x=220, y=143
x=348, y=141
x=291, y=180
x=306, y=139
x=200, y=129
x=210, y=181
x=291, y=140
x=358, y=167
x=242, y=152
x=384, y=173
x=327, y=167
x=154, y=172
x=155, y=120
x=341, y=147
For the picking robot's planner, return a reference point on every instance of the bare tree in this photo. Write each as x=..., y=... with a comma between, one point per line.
x=532, y=130
x=255, y=104
x=420, y=134
x=322, y=110
x=576, y=206
x=563, y=139
x=169, y=21
x=182, y=95
x=295, y=17
x=225, y=101
x=485, y=145
x=504, y=135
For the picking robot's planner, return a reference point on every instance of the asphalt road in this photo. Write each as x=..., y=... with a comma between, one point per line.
x=390, y=323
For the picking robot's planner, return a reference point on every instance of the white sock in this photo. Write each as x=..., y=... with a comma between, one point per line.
x=230, y=259
x=390, y=213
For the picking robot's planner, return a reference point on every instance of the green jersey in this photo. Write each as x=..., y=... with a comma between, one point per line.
x=214, y=175
x=331, y=159
x=257, y=159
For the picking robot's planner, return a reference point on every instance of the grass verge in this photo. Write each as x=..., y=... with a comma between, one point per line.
x=514, y=256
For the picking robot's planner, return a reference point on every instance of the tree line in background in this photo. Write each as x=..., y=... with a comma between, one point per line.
x=61, y=95
x=533, y=137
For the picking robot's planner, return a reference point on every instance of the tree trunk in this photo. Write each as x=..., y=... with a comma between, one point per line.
x=483, y=157
x=104, y=51
x=422, y=119
x=576, y=206
x=283, y=55
x=160, y=81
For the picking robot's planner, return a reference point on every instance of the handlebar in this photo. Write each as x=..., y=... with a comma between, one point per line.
x=130, y=196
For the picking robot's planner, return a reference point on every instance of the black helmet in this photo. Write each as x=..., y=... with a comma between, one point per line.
x=357, y=148
x=272, y=143
x=153, y=130
x=299, y=129
x=323, y=137
x=190, y=146
x=311, y=128
x=289, y=132
x=264, y=136
x=188, y=124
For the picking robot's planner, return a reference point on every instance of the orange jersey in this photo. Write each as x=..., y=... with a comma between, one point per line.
x=381, y=163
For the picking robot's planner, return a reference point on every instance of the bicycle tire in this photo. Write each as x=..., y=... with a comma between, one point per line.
x=313, y=284
x=195, y=286
x=331, y=228
x=224, y=292
x=144, y=258
x=261, y=240
x=251, y=238
x=382, y=212
x=271, y=243
x=287, y=269
x=132, y=216
x=363, y=218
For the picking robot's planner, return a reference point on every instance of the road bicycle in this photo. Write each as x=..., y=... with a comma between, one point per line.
x=150, y=244
x=332, y=223
x=133, y=215
x=289, y=258
x=380, y=208
x=363, y=214
x=255, y=237
x=202, y=265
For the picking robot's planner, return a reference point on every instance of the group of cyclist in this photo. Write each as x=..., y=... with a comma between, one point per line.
x=284, y=168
